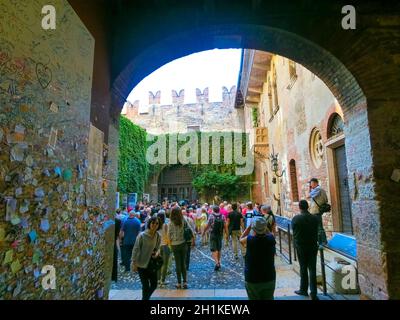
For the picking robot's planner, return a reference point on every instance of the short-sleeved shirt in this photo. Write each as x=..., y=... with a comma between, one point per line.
x=131, y=229
x=211, y=220
x=223, y=212
x=234, y=220
x=260, y=259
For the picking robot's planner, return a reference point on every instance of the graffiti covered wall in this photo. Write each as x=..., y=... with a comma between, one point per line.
x=45, y=93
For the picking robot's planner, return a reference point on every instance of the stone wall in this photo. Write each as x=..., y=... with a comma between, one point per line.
x=51, y=209
x=205, y=115
x=305, y=104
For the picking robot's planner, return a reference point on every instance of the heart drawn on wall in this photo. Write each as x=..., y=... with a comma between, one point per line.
x=43, y=74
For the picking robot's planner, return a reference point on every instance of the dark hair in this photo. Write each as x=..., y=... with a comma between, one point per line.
x=161, y=217
x=151, y=220
x=137, y=208
x=176, y=216
x=234, y=206
x=215, y=209
x=303, y=205
x=314, y=180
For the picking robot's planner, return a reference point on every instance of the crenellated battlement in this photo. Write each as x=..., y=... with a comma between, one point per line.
x=178, y=97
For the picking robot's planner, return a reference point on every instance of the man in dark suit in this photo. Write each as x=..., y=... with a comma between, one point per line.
x=305, y=232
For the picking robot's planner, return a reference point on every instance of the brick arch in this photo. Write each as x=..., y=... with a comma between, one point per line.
x=353, y=84
x=318, y=60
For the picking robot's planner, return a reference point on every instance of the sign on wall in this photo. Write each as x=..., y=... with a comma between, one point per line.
x=132, y=200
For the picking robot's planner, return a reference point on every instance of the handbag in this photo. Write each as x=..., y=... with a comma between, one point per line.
x=325, y=207
x=155, y=263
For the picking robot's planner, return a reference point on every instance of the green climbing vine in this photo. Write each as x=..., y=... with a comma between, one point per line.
x=208, y=179
x=133, y=169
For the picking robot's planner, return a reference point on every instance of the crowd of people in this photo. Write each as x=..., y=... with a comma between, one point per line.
x=148, y=235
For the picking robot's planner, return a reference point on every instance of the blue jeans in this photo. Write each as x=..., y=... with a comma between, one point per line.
x=165, y=254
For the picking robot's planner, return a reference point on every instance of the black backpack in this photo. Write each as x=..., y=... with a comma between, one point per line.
x=218, y=226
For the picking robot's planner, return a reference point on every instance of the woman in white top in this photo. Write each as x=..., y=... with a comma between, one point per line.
x=178, y=244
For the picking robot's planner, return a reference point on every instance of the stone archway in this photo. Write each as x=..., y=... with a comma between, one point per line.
x=346, y=88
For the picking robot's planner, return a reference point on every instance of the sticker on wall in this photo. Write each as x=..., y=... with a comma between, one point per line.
x=46, y=172
x=24, y=223
x=15, y=266
x=57, y=171
x=10, y=208
x=15, y=220
x=36, y=273
x=29, y=161
x=24, y=206
x=53, y=107
x=8, y=258
x=32, y=236
x=53, y=137
x=36, y=257
x=17, y=153
x=67, y=174
x=44, y=225
x=18, y=192
x=39, y=193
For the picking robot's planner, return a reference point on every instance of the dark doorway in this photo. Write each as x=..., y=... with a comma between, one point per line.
x=175, y=184
x=344, y=195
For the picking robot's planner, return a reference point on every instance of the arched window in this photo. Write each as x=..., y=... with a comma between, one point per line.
x=293, y=181
x=317, y=148
x=335, y=125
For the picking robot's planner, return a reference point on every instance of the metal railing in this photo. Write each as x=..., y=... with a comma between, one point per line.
x=324, y=265
x=285, y=233
x=284, y=226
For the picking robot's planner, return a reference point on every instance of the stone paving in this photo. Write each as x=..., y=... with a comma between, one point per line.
x=204, y=282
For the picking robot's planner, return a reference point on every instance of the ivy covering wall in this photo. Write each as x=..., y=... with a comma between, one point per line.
x=133, y=169
x=208, y=179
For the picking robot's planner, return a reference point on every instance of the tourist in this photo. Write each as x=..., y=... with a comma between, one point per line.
x=147, y=247
x=178, y=244
x=305, y=233
x=249, y=213
x=266, y=212
x=189, y=243
x=222, y=210
x=259, y=272
x=318, y=198
x=129, y=232
x=165, y=250
x=198, y=220
x=235, y=225
x=216, y=223
x=204, y=220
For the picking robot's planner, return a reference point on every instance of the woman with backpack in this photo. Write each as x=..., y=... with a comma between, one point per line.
x=216, y=222
x=176, y=237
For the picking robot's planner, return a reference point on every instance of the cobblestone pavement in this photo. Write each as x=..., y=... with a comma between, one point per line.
x=202, y=275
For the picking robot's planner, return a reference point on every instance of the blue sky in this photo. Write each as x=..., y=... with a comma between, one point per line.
x=212, y=69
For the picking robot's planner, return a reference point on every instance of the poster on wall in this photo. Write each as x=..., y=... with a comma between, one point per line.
x=132, y=200
x=124, y=200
